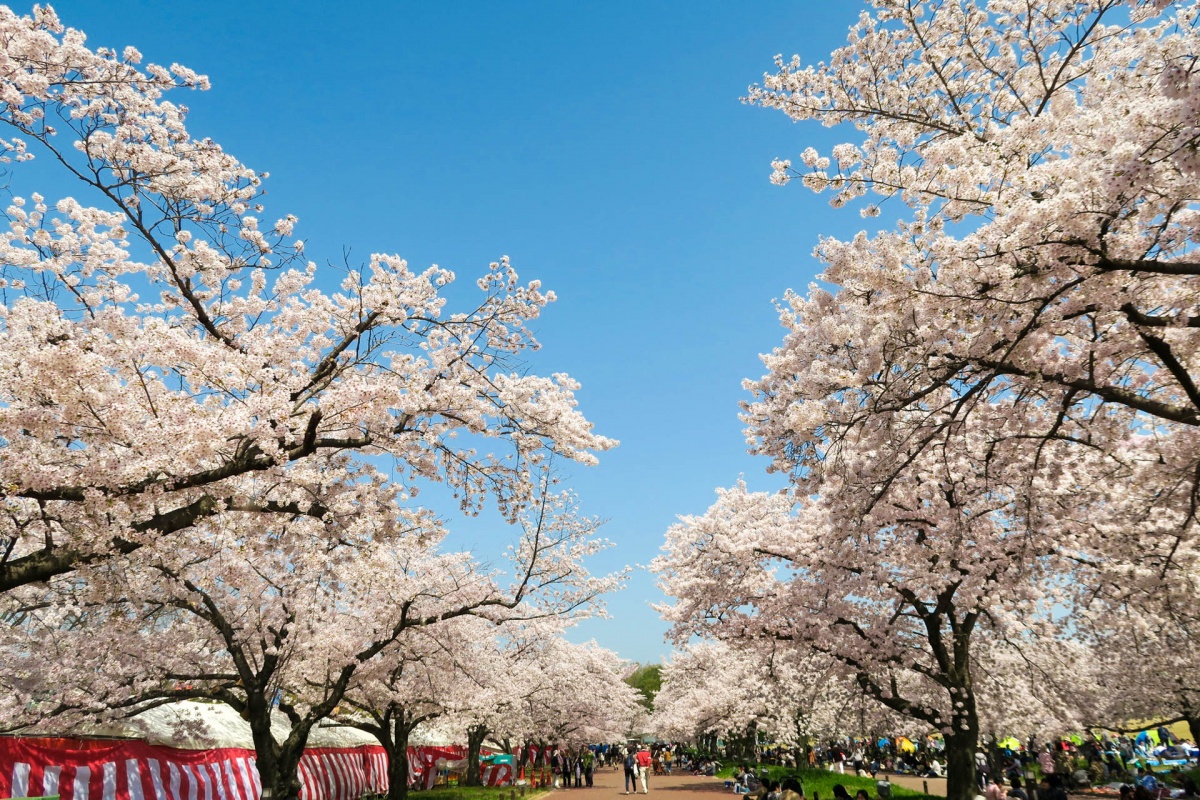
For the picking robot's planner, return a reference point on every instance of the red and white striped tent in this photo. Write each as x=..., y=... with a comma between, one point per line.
x=196, y=751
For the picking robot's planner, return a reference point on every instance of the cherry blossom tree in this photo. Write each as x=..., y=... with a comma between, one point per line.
x=1047, y=156
x=1144, y=651
x=160, y=341
x=995, y=397
x=431, y=671
x=1064, y=136
x=531, y=685
x=714, y=690
x=282, y=619
x=910, y=599
x=574, y=694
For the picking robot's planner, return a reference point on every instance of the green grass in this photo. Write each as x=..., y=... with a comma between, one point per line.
x=821, y=782
x=477, y=793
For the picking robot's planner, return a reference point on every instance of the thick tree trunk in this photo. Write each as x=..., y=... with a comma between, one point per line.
x=397, y=753
x=278, y=764
x=960, y=765
x=278, y=771
x=1191, y=715
x=475, y=736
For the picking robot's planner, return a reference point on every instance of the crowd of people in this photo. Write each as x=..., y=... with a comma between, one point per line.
x=1006, y=770
x=1011, y=769
x=576, y=768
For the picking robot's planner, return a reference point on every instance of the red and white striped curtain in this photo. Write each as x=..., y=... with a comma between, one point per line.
x=90, y=769
x=134, y=770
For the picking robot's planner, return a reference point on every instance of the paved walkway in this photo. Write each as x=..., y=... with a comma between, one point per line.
x=610, y=783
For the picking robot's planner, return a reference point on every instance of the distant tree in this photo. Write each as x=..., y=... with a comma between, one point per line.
x=647, y=679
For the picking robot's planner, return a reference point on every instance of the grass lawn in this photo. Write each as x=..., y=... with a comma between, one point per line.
x=477, y=793
x=820, y=782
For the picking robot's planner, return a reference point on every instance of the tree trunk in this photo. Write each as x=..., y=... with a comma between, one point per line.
x=960, y=765
x=1191, y=715
x=475, y=736
x=397, y=753
x=279, y=773
x=278, y=765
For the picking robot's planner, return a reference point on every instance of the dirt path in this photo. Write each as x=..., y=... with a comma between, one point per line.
x=936, y=785
x=609, y=785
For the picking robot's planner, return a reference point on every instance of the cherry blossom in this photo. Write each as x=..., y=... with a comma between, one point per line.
x=160, y=338
x=991, y=407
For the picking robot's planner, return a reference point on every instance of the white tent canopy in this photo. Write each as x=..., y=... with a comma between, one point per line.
x=190, y=725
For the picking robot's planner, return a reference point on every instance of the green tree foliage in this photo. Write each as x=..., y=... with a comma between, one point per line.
x=647, y=679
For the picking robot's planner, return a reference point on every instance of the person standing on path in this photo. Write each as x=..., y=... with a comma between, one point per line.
x=644, y=762
x=1046, y=760
x=630, y=772
x=589, y=763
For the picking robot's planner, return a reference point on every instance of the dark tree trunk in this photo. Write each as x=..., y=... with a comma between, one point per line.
x=960, y=767
x=397, y=753
x=1191, y=715
x=960, y=749
x=278, y=764
x=1193, y=720
x=475, y=736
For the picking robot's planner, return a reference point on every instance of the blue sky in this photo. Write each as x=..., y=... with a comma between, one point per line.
x=600, y=145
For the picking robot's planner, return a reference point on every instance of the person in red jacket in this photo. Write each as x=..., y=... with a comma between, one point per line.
x=644, y=762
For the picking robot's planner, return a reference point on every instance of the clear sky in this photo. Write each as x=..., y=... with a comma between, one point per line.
x=601, y=145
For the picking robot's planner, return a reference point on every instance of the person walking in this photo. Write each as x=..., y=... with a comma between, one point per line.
x=630, y=772
x=1046, y=760
x=644, y=762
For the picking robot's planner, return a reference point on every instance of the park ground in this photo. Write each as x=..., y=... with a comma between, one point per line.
x=609, y=784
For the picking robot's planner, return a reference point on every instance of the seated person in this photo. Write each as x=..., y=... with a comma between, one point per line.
x=791, y=790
